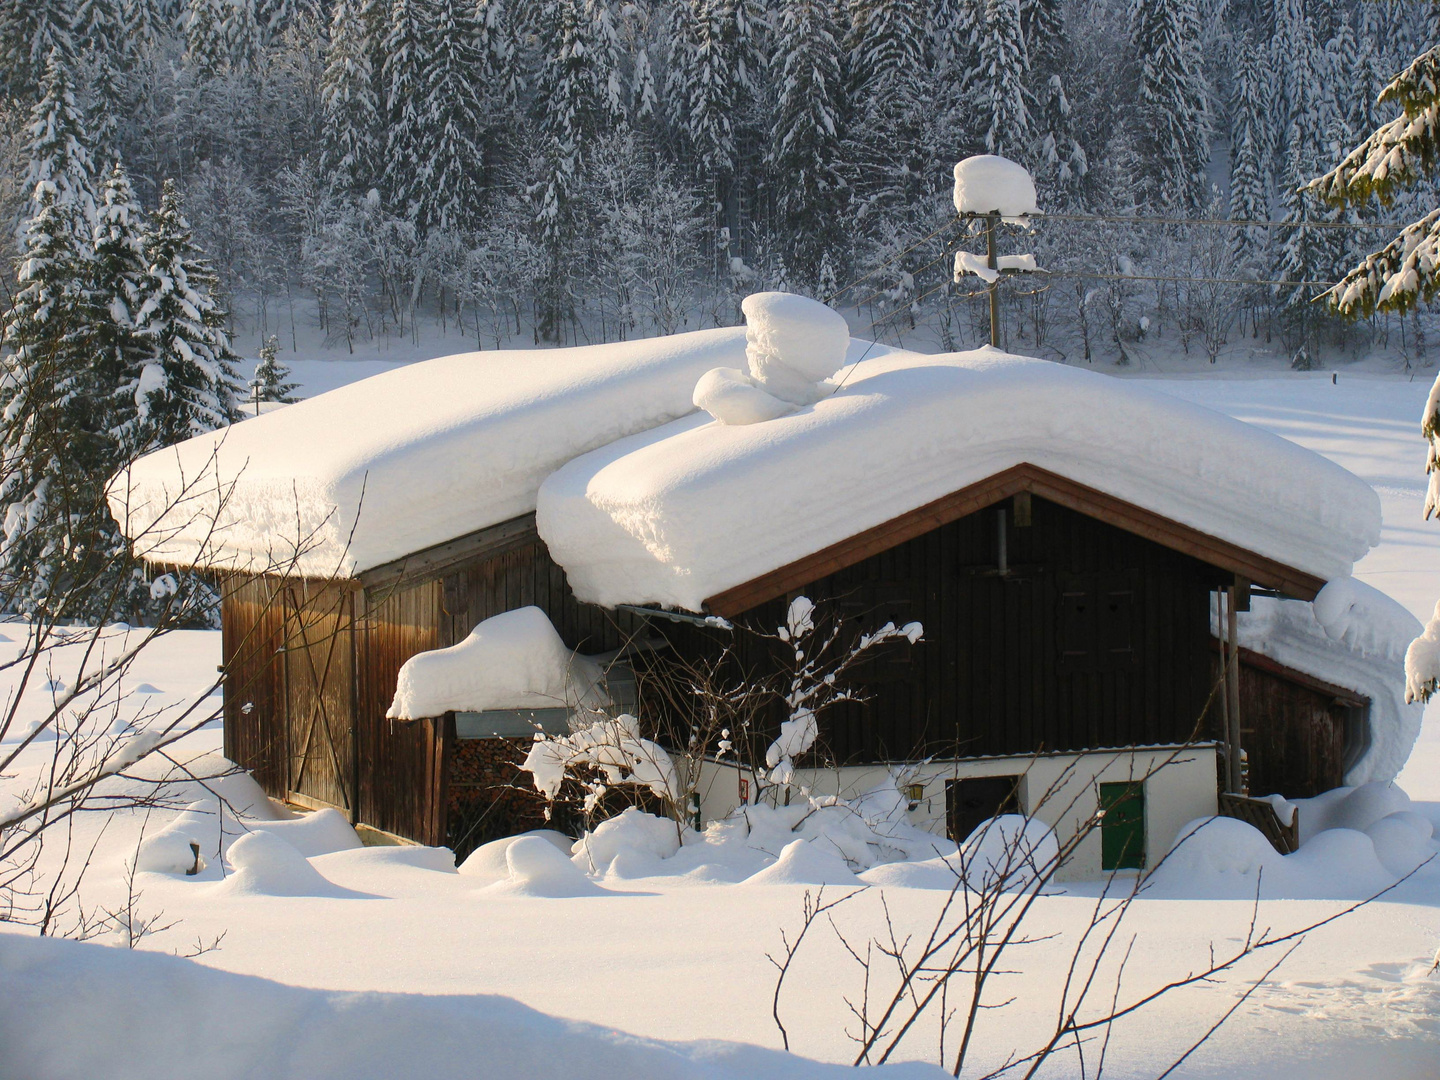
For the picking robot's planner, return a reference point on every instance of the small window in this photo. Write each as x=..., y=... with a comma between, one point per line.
x=971, y=802
x=1122, y=826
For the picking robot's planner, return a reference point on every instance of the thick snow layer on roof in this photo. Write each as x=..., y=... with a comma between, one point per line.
x=514, y=660
x=988, y=183
x=1352, y=636
x=683, y=512
x=422, y=454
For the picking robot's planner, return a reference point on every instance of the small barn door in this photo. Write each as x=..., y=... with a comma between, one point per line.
x=319, y=695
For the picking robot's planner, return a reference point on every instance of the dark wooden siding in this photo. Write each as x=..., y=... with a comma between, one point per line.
x=402, y=774
x=252, y=636
x=991, y=676
x=319, y=692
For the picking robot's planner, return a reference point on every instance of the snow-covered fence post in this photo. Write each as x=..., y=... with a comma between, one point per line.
x=994, y=189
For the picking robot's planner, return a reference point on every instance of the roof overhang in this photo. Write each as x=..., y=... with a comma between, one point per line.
x=1259, y=569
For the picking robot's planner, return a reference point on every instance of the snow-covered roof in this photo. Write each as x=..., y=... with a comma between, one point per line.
x=1353, y=636
x=399, y=462
x=683, y=512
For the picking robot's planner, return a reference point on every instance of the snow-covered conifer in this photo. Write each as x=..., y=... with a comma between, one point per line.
x=42, y=398
x=450, y=180
x=407, y=57
x=58, y=147
x=1004, y=67
x=188, y=385
x=498, y=44
x=712, y=70
x=1173, y=117
x=889, y=96
x=242, y=35
x=113, y=297
x=30, y=30
x=207, y=49
x=273, y=376
x=348, y=96
x=1062, y=161
x=1250, y=143
x=806, y=140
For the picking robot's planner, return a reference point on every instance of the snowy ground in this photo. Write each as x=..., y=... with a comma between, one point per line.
x=683, y=959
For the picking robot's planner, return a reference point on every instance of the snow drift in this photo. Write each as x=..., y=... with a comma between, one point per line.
x=677, y=514
x=393, y=464
x=514, y=660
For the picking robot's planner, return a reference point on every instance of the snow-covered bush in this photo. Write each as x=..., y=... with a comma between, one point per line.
x=611, y=747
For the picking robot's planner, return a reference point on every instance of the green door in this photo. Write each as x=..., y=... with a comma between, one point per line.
x=1122, y=828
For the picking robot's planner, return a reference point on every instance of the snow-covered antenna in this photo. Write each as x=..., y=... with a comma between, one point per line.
x=997, y=189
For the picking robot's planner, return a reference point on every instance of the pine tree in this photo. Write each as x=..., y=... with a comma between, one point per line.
x=1173, y=116
x=1249, y=153
x=407, y=57
x=189, y=384
x=272, y=375
x=207, y=49
x=42, y=401
x=889, y=94
x=242, y=35
x=113, y=298
x=58, y=148
x=498, y=44
x=1001, y=82
x=1043, y=25
x=806, y=143
x=30, y=31
x=451, y=179
x=1062, y=162
x=347, y=94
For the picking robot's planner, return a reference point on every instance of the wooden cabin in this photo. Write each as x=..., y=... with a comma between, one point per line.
x=1067, y=610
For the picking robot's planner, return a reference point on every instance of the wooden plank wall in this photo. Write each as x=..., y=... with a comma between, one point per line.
x=319, y=665
x=252, y=616
x=989, y=677
x=402, y=774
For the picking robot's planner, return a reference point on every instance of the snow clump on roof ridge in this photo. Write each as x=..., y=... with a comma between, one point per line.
x=792, y=344
x=988, y=184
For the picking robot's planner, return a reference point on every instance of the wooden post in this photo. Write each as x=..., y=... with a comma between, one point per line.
x=1222, y=637
x=992, y=219
x=1237, y=777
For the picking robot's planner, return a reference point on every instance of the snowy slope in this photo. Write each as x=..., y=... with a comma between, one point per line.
x=407, y=459
x=682, y=512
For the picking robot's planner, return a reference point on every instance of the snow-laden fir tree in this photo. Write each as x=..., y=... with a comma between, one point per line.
x=207, y=47
x=273, y=376
x=43, y=402
x=1004, y=68
x=114, y=292
x=188, y=384
x=498, y=45
x=806, y=145
x=712, y=69
x=407, y=58
x=1400, y=154
x=101, y=26
x=58, y=147
x=353, y=132
x=30, y=30
x=603, y=36
x=242, y=34
x=1250, y=142
x=451, y=179
x=1172, y=121
x=889, y=98
x=1043, y=24
x=1062, y=163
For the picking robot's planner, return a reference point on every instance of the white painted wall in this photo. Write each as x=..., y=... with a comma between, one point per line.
x=1061, y=790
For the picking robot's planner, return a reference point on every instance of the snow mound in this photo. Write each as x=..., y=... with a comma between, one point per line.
x=730, y=397
x=804, y=863
x=1354, y=636
x=1224, y=858
x=266, y=865
x=406, y=459
x=79, y=1010
x=678, y=514
x=988, y=183
x=1010, y=851
x=538, y=868
x=644, y=837
x=318, y=833
x=514, y=660
x=488, y=861
x=169, y=851
x=792, y=344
